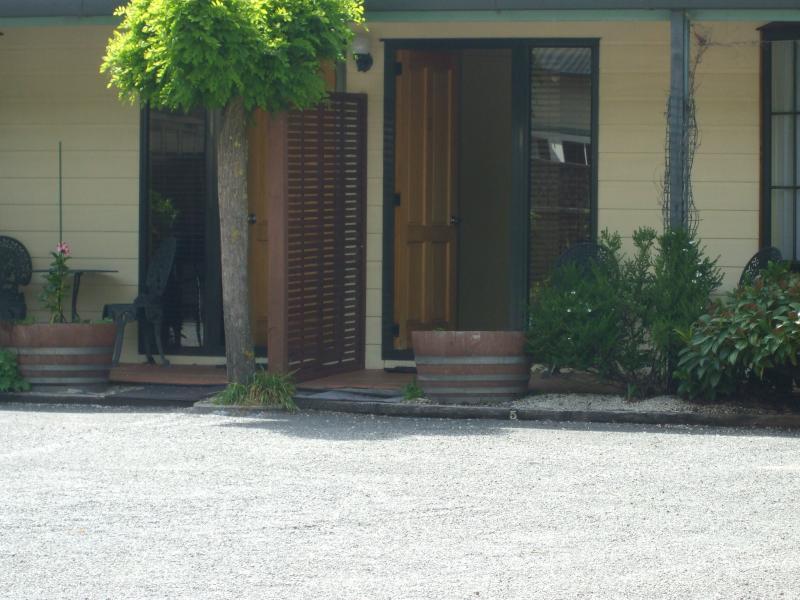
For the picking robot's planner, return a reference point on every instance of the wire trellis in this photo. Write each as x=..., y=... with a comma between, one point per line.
x=690, y=142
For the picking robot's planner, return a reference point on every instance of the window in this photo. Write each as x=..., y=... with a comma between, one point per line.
x=178, y=202
x=781, y=152
x=561, y=169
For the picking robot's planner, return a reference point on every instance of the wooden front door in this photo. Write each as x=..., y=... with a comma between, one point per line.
x=426, y=234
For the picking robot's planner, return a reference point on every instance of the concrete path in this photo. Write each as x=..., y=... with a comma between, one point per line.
x=118, y=504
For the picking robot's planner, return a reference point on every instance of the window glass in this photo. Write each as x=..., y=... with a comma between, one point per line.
x=782, y=76
x=783, y=128
x=783, y=150
x=783, y=221
x=561, y=150
x=178, y=207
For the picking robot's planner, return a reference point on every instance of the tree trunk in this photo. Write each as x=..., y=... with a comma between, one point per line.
x=233, y=213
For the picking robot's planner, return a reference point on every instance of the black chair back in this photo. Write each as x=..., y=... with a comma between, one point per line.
x=758, y=263
x=15, y=270
x=582, y=256
x=15, y=264
x=160, y=267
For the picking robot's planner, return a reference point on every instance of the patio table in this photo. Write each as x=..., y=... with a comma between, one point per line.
x=76, y=284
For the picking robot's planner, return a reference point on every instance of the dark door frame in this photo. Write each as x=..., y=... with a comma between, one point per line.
x=520, y=199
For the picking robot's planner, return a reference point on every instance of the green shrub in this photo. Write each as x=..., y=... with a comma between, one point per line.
x=750, y=339
x=618, y=317
x=683, y=281
x=11, y=379
x=575, y=322
x=265, y=389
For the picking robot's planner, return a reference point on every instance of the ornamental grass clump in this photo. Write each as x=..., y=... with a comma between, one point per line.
x=618, y=317
x=272, y=390
x=746, y=342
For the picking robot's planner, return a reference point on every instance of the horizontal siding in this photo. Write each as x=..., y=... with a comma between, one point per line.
x=52, y=91
x=726, y=174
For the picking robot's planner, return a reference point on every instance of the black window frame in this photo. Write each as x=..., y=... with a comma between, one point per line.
x=775, y=32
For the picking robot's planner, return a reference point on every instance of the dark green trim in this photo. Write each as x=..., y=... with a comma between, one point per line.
x=11, y=22
x=519, y=213
x=520, y=204
x=387, y=304
x=766, y=143
x=594, y=199
x=572, y=5
x=144, y=197
x=467, y=16
x=764, y=14
x=214, y=338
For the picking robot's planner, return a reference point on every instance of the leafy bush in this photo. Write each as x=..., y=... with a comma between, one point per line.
x=618, y=317
x=679, y=292
x=575, y=321
x=265, y=389
x=752, y=337
x=11, y=379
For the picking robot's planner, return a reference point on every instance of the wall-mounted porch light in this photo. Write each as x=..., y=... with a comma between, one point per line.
x=361, y=47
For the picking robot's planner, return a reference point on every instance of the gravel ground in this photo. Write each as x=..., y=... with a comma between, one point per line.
x=119, y=504
x=605, y=402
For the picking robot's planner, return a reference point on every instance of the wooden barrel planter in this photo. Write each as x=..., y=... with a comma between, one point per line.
x=471, y=367
x=68, y=354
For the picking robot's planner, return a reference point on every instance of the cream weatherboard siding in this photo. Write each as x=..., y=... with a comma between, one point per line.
x=726, y=174
x=50, y=91
x=633, y=83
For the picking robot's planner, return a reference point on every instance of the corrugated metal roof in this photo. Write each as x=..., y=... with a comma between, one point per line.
x=96, y=8
x=422, y=5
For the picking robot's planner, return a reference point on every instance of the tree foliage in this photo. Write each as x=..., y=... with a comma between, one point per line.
x=183, y=54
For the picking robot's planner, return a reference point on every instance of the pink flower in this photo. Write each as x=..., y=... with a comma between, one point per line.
x=63, y=248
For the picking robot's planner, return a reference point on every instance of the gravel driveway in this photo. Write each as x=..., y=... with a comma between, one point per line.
x=121, y=504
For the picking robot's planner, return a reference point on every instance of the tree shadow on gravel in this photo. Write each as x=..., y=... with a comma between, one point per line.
x=349, y=427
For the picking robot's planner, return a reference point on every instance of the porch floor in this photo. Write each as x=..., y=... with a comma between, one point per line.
x=370, y=379
x=373, y=379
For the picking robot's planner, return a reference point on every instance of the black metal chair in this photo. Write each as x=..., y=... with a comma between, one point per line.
x=758, y=263
x=15, y=271
x=582, y=256
x=147, y=308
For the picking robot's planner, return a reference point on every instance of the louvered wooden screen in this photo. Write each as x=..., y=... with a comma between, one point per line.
x=327, y=201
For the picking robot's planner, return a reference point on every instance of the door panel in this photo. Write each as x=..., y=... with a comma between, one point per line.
x=257, y=203
x=425, y=176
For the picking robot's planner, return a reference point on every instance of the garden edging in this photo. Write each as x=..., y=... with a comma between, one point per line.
x=442, y=411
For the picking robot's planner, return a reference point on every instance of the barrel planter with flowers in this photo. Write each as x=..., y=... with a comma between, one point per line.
x=471, y=367
x=59, y=352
